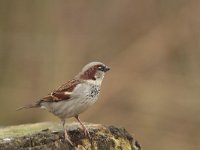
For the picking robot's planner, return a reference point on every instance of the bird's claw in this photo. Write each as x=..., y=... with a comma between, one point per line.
x=68, y=139
x=87, y=133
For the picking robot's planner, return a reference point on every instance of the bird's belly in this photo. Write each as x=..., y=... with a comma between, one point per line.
x=70, y=108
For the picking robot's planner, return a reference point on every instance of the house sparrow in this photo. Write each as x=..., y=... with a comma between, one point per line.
x=75, y=96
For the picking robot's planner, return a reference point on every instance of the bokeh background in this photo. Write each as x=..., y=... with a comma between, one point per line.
x=153, y=48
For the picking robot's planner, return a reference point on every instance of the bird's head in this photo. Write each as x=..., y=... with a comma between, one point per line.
x=93, y=71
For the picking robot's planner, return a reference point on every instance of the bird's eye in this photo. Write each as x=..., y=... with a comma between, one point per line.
x=101, y=68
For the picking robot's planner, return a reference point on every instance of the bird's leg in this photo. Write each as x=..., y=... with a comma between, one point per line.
x=86, y=132
x=66, y=135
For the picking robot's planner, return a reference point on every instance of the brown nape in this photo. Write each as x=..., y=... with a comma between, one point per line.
x=90, y=73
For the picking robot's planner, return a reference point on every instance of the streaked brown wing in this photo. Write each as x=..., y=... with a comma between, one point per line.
x=55, y=97
x=69, y=86
x=63, y=92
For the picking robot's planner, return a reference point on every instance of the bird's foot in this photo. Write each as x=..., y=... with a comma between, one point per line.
x=68, y=139
x=87, y=133
x=85, y=130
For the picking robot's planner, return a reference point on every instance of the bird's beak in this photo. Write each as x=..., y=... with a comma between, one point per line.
x=106, y=69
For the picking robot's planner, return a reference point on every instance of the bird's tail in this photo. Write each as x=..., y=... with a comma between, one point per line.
x=29, y=106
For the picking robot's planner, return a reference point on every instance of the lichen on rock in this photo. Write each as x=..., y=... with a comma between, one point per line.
x=47, y=136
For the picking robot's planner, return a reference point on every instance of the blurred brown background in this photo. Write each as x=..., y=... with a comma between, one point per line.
x=153, y=48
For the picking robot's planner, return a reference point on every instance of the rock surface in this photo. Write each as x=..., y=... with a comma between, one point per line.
x=45, y=136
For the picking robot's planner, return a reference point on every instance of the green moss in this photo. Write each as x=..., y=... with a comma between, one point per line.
x=26, y=129
x=85, y=145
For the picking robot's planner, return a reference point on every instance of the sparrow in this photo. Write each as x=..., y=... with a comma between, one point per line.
x=75, y=96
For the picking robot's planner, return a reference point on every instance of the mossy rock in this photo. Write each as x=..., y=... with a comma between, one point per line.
x=45, y=136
